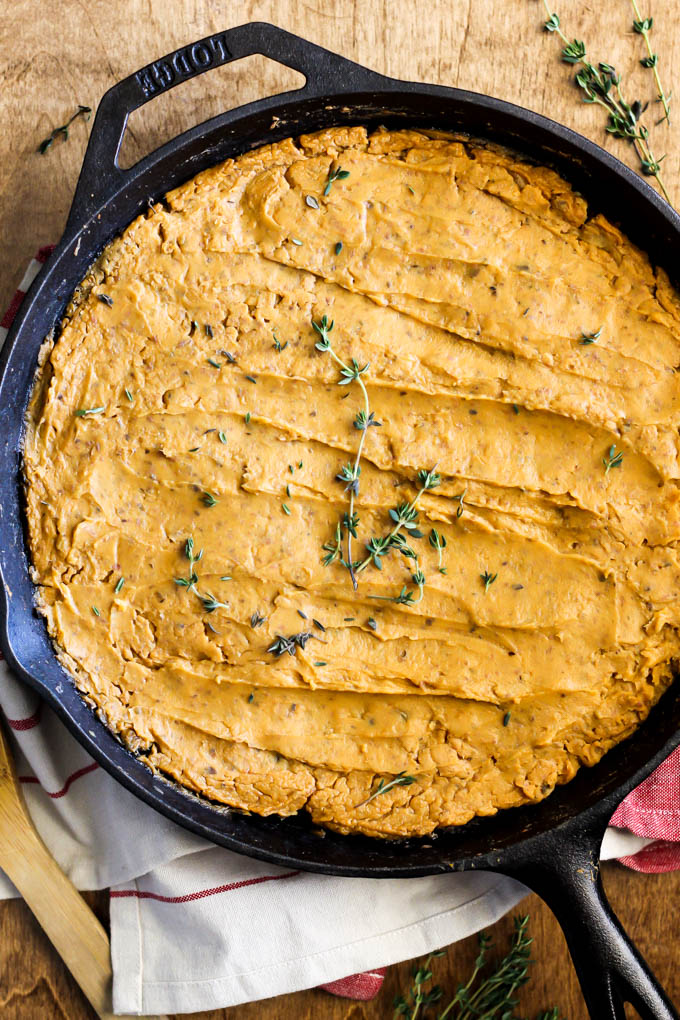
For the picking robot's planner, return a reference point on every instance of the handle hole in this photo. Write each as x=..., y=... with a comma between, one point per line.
x=191, y=102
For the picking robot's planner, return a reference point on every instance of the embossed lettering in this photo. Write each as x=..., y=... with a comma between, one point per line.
x=181, y=63
x=201, y=55
x=163, y=73
x=146, y=82
x=220, y=47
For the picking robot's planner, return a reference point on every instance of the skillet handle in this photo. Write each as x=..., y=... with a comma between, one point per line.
x=325, y=72
x=565, y=872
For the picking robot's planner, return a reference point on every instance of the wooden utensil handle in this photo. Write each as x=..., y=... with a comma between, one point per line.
x=65, y=917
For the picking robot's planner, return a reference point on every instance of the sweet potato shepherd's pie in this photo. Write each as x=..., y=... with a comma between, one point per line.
x=352, y=482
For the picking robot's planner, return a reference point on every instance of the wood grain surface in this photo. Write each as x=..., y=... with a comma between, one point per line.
x=55, y=54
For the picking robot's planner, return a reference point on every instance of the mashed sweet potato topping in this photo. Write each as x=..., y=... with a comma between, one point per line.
x=514, y=617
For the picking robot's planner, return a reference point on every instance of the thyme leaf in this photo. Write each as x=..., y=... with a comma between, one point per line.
x=85, y=411
x=590, y=338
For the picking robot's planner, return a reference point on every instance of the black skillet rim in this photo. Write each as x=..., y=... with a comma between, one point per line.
x=589, y=799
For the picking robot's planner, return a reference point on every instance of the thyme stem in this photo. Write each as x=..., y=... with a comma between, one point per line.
x=642, y=27
x=357, y=461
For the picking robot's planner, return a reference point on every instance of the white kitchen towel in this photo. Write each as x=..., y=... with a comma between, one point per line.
x=196, y=927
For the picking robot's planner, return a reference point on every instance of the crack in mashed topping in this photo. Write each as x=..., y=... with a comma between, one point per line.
x=185, y=436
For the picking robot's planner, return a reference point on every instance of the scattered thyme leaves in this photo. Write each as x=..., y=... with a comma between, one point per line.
x=82, y=111
x=208, y=499
x=222, y=437
x=319, y=625
x=296, y=240
x=286, y=509
x=96, y=611
x=289, y=644
x=105, y=300
x=247, y=418
x=129, y=395
x=311, y=202
x=119, y=585
x=371, y=623
x=506, y=718
x=215, y=364
x=208, y=330
x=338, y=247
x=256, y=620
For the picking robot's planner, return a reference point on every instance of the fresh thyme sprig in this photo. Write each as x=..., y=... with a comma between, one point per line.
x=643, y=27
x=401, y=779
x=190, y=582
x=210, y=603
x=612, y=459
x=405, y=516
x=335, y=175
x=487, y=580
x=364, y=420
x=82, y=111
x=438, y=542
x=602, y=85
x=278, y=346
x=486, y=996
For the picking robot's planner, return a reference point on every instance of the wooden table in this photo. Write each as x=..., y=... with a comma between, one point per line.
x=55, y=54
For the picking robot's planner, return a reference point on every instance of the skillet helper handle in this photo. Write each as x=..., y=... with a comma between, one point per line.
x=566, y=874
x=324, y=71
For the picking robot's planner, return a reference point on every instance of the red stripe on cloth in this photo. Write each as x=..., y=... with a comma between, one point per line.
x=28, y=722
x=8, y=317
x=357, y=986
x=65, y=788
x=654, y=859
x=45, y=252
x=140, y=894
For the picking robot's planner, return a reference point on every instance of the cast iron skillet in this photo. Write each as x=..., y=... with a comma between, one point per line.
x=552, y=847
